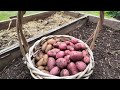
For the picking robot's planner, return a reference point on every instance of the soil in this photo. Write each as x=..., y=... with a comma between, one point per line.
x=106, y=55
x=9, y=37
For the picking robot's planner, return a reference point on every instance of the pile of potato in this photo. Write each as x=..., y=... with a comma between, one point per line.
x=62, y=56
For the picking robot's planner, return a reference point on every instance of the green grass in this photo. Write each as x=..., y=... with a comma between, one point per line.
x=6, y=14
x=96, y=13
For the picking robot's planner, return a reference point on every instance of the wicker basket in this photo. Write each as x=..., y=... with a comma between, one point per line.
x=37, y=74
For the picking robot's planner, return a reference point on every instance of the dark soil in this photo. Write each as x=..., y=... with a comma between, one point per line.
x=17, y=70
x=106, y=55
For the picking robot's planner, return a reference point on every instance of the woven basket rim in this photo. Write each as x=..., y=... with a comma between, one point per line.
x=34, y=70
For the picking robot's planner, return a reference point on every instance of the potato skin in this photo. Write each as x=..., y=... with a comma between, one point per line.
x=61, y=62
x=70, y=48
x=74, y=40
x=76, y=55
x=64, y=72
x=56, y=50
x=51, y=41
x=67, y=42
x=71, y=44
x=62, y=46
x=49, y=47
x=56, y=45
x=72, y=68
x=50, y=63
x=51, y=53
x=55, y=71
x=40, y=62
x=81, y=66
x=39, y=56
x=44, y=46
x=85, y=53
x=57, y=39
x=83, y=46
x=40, y=68
x=80, y=46
x=67, y=59
x=67, y=52
x=86, y=59
x=60, y=54
x=45, y=59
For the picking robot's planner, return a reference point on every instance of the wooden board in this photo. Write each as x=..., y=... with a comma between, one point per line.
x=114, y=24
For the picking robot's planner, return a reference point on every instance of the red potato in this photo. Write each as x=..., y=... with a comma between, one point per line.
x=78, y=46
x=67, y=42
x=71, y=44
x=56, y=45
x=67, y=58
x=64, y=72
x=50, y=63
x=61, y=62
x=86, y=59
x=60, y=54
x=67, y=52
x=51, y=53
x=74, y=40
x=55, y=71
x=76, y=55
x=72, y=68
x=83, y=46
x=85, y=53
x=81, y=66
x=70, y=48
x=56, y=50
x=62, y=46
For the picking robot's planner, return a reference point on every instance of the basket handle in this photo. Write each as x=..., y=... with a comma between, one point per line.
x=94, y=35
x=24, y=47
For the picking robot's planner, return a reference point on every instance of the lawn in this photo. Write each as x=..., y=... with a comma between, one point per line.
x=6, y=14
x=96, y=13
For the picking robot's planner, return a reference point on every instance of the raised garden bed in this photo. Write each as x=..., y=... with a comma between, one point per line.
x=32, y=28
